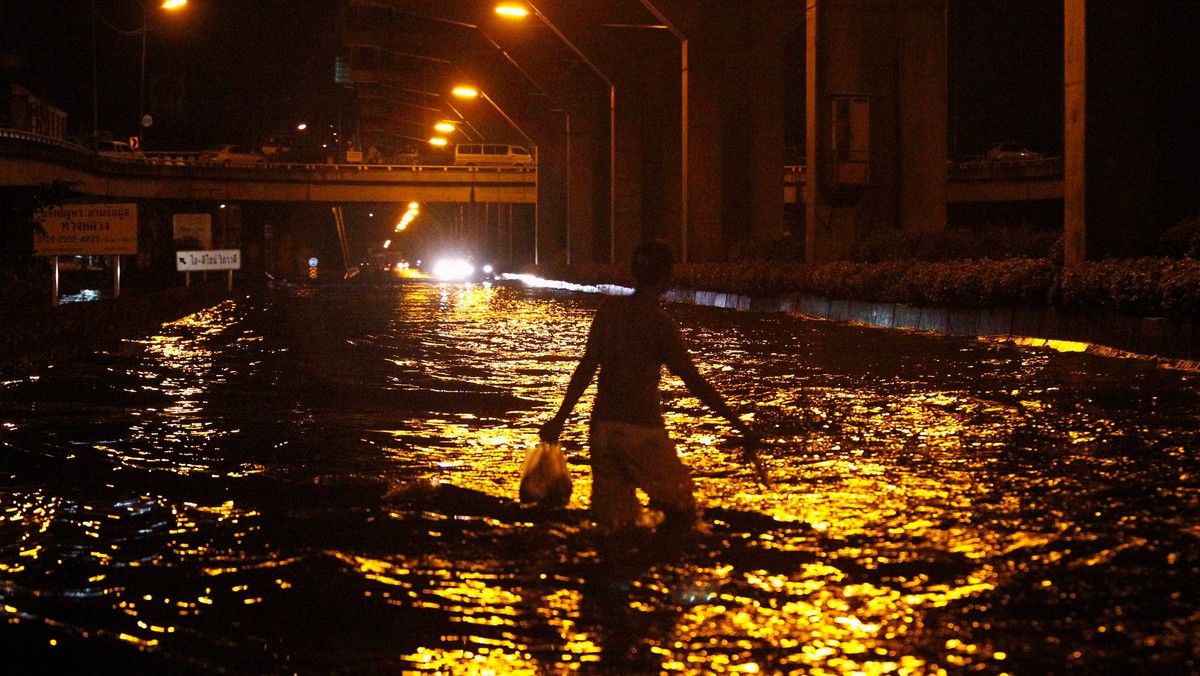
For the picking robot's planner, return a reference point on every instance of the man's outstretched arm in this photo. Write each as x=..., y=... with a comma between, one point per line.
x=580, y=380
x=680, y=363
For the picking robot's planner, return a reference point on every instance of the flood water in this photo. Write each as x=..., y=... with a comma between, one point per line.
x=322, y=480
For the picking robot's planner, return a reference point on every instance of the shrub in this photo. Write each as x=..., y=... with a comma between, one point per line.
x=1182, y=240
x=992, y=242
x=1138, y=287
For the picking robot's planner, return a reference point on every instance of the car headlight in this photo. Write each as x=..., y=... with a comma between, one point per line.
x=452, y=269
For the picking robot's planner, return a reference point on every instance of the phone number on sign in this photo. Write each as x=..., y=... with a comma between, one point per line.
x=71, y=239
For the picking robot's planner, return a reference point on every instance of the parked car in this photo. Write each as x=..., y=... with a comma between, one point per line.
x=1008, y=152
x=232, y=154
x=119, y=150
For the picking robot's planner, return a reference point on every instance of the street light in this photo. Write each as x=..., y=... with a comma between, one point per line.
x=167, y=4
x=469, y=92
x=519, y=11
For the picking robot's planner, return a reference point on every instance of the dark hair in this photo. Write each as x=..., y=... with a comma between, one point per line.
x=652, y=262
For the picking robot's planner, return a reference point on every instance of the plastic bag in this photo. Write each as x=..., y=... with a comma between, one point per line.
x=545, y=478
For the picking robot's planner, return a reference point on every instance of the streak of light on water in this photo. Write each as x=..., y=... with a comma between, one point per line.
x=322, y=480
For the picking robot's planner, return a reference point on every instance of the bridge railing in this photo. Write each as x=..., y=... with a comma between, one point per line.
x=984, y=170
x=35, y=145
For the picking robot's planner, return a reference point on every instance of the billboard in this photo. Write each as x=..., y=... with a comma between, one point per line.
x=87, y=230
x=193, y=229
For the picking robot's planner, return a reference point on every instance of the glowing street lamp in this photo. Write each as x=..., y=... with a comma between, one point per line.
x=445, y=127
x=469, y=92
x=513, y=10
x=414, y=209
x=167, y=4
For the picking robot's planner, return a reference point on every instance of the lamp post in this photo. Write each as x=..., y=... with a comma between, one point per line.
x=465, y=91
x=468, y=92
x=166, y=4
x=518, y=11
x=143, y=121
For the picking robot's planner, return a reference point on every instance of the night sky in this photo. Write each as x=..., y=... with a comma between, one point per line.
x=234, y=71
x=217, y=71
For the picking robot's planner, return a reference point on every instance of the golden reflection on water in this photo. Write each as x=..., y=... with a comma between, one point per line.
x=135, y=617
x=893, y=518
x=837, y=486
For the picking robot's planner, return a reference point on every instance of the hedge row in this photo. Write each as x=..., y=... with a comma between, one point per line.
x=1146, y=287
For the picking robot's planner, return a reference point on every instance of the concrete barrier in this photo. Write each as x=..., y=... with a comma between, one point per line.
x=1173, y=341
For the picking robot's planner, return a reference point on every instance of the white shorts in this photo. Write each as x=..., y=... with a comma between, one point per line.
x=627, y=457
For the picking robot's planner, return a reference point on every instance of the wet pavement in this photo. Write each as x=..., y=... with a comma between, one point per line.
x=322, y=480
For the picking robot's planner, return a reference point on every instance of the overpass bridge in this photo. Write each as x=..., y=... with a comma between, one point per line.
x=26, y=159
x=974, y=181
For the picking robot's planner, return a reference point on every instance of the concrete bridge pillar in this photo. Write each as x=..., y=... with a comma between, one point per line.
x=587, y=169
x=876, y=130
x=647, y=139
x=1130, y=134
x=735, y=118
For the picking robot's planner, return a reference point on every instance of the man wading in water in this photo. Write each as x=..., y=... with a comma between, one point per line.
x=631, y=338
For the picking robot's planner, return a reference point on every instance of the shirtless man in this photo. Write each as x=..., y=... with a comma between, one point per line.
x=631, y=338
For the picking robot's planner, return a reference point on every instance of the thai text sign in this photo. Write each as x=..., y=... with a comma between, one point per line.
x=87, y=230
x=217, y=259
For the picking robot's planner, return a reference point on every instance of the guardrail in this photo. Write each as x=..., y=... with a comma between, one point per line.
x=999, y=169
x=36, y=142
x=794, y=173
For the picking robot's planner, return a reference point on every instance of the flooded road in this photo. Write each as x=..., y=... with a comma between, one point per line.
x=323, y=480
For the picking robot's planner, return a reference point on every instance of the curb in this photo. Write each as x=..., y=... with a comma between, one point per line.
x=1167, y=342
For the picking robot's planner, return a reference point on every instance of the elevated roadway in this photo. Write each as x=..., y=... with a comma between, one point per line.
x=31, y=160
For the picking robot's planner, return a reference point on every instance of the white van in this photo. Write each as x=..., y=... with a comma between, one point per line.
x=490, y=154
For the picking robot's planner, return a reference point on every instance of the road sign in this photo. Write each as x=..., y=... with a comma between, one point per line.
x=217, y=259
x=196, y=228
x=87, y=230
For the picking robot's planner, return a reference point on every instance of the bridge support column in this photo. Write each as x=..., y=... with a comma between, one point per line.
x=648, y=134
x=1130, y=136
x=551, y=212
x=876, y=131
x=735, y=127
x=586, y=221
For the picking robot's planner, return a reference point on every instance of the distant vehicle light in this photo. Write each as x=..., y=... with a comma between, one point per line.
x=487, y=269
x=453, y=269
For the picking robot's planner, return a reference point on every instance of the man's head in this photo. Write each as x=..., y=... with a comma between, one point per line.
x=652, y=262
